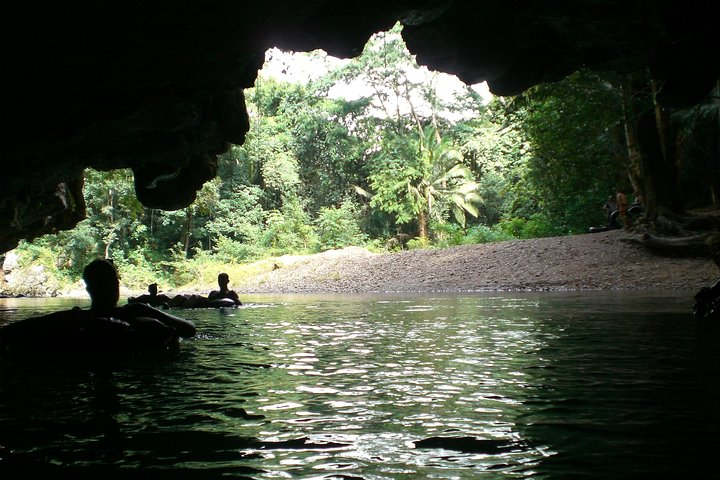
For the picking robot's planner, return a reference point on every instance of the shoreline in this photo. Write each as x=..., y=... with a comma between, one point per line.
x=586, y=262
x=603, y=261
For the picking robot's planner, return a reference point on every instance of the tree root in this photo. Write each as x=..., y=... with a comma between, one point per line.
x=706, y=244
x=701, y=245
x=690, y=235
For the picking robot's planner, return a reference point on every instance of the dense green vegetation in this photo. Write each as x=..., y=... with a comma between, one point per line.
x=318, y=171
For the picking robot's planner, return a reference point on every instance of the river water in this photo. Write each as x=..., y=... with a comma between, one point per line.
x=461, y=386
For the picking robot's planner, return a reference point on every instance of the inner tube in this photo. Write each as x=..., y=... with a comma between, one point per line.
x=197, y=301
x=74, y=334
x=635, y=210
x=222, y=303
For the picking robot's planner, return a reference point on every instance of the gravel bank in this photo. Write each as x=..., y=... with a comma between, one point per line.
x=596, y=261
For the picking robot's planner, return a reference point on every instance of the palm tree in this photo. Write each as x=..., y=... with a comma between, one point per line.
x=444, y=180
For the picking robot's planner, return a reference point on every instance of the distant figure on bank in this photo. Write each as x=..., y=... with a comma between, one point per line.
x=224, y=292
x=622, y=204
x=637, y=200
x=636, y=208
x=610, y=208
x=152, y=298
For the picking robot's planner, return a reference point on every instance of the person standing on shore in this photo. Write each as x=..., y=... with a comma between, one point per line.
x=622, y=205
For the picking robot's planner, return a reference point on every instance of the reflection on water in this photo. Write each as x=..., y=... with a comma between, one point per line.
x=594, y=385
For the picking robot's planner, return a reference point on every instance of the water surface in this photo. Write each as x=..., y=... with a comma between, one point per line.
x=572, y=385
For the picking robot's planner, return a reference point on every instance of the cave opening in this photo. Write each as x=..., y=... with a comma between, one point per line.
x=165, y=98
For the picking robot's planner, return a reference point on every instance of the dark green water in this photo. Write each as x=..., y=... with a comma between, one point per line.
x=591, y=385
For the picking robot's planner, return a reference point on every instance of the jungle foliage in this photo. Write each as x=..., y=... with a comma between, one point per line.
x=318, y=171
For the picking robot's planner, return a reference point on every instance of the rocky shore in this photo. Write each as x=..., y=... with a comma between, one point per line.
x=594, y=261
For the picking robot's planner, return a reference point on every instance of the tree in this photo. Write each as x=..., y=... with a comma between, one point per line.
x=575, y=154
x=113, y=211
x=289, y=229
x=424, y=184
x=329, y=150
x=673, y=153
x=698, y=151
x=413, y=177
x=496, y=153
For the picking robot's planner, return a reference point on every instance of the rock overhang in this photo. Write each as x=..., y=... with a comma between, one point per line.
x=158, y=86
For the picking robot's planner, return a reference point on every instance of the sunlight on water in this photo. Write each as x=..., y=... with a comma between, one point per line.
x=446, y=387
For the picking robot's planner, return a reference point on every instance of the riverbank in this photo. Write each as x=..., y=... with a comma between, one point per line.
x=596, y=261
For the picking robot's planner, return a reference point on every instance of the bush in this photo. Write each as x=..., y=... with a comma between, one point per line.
x=447, y=234
x=80, y=246
x=136, y=277
x=36, y=272
x=229, y=251
x=537, y=226
x=179, y=268
x=451, y=234
x=376, y=245
x=485, y=234
x=30, y=254
x=419, y=244
x=338, y=227
x=289, y=230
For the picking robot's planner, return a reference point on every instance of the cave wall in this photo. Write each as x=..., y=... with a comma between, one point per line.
x=158, y=86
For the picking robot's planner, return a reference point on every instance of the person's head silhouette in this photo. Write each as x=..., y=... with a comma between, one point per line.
x=223, y=280
x=102, y=284
x=152, y=288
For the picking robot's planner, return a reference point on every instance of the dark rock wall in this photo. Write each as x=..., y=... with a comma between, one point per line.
x=156, y=86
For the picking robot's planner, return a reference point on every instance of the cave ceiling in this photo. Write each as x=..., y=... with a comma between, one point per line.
x=157, y=86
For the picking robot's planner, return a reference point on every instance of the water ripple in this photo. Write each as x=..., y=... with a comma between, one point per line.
x=447, y=387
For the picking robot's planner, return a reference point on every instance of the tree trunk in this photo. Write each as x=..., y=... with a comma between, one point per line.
x=658, y=167
x=423, y=225
x=715, y=189
x=633, y=147
x=111, y=236
x=188, y=225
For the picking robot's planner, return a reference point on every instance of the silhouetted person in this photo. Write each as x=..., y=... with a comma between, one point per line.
x=224, y=292
x=103, y=285
x=104, y=329
x=152, y=298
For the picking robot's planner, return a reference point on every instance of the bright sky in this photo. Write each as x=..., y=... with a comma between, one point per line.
x=301, y=67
